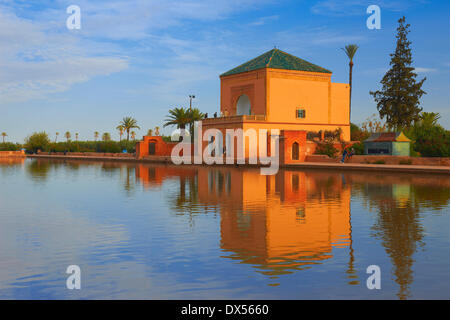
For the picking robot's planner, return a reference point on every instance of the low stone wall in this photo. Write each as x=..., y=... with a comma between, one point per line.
x=12, y=154
x=394, y=160
x=90, y=154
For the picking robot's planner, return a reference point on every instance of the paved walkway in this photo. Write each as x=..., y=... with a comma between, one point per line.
x=304, y=165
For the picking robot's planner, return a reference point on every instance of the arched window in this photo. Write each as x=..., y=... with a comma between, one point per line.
x=243, y=106
x=295, y=151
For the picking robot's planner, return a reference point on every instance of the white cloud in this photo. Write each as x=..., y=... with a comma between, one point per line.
x=263, y=20
x=35, y=62
x=424, y=70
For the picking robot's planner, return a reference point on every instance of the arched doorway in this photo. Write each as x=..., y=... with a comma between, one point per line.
x=152, y=148
x=243, y=106
x=295, y=151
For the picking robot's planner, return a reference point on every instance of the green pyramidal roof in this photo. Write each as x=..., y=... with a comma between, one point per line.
x=276, y=59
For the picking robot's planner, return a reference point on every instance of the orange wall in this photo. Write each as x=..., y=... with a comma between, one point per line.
x=292, y=90
x=253, y=84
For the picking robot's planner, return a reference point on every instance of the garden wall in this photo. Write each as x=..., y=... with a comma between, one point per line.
x=11, y=154
x=394, y=160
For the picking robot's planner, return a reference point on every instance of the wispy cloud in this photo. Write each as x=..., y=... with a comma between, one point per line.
x=35, y=62
x=263, y=20
x=39, y=56
x=424, y=70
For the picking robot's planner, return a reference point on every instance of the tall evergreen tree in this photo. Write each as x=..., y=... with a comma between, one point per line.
x=399, y=98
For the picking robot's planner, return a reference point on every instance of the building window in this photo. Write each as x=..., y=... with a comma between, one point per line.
x=301, y=113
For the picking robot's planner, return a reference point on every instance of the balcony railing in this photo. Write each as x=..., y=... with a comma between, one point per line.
x=252, y=117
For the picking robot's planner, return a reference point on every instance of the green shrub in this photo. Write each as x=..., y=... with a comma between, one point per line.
x=9, y=146
x=327, y=148
x=359, y=148
x=429, y=138
x=93, y=146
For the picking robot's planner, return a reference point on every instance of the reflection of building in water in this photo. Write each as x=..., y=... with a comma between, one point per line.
x=154, y=176
x=12, y=160
x=278, y=222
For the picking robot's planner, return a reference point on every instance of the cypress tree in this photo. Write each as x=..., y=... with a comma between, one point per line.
x=399, y=98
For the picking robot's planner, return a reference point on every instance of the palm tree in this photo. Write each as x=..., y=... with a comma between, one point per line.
x=195, y=115
x=106, y=136
x=133, y=135
x=120, y=128
x=67, y=135
x=127, y=124
x=76, y=136
x=429, y=119
x=178, y=117
x=3, y=136
x=56, y=136
x=96, y=134
x=350, y=51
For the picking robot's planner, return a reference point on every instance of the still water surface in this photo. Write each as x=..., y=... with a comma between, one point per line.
x=167, y=232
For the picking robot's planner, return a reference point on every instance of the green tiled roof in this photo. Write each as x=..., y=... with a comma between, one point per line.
x=276, y=59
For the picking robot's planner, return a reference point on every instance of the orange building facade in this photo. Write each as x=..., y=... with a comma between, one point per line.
x=278, y=91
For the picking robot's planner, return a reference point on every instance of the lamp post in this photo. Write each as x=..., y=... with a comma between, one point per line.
x=190, y=101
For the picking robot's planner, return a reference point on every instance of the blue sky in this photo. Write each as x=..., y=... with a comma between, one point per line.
x=139, y=58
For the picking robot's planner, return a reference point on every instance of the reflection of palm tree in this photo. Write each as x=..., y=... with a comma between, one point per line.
x=351, y=272
x=182, y=204
x=128, y=185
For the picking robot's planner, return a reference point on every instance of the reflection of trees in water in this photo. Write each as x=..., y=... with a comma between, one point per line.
x=430, y=196
x=401, y=231
x=38, y=170
x=326, y=188
x=399, y=200
x=398, y=226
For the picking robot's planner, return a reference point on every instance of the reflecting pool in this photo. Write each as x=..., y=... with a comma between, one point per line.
x=141, y=231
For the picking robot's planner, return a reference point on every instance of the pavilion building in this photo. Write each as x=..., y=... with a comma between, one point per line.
x=280, y=91
x=274, y=91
